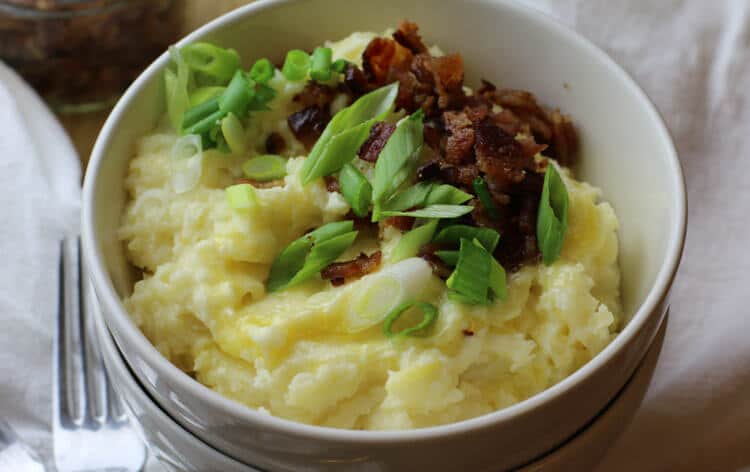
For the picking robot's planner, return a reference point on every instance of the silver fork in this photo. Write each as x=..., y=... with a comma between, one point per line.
x=89, y=425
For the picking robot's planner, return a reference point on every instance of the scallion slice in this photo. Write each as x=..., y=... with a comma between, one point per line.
x=241, y=196
x=447, y=195
x=206, y=124
x=322, y=254
x=214, y=65
x=483, y=192
x=449, y=257
x=203, y=94
x=432, y=211
x=339, y=65
x=237, y=96
x=186, y=162
x=234, y=133
x=320, y=67
x=552, y=219
x=411, y=242
x=429, y=315
x=262, y=71
x=451, y=235
x=264, y=168
x=296, y=65
x=356, y=189
x=471, y=278
x=346, y=132
x=397, y=160
x=412, y=197
x=293, y=259
x=176, y=88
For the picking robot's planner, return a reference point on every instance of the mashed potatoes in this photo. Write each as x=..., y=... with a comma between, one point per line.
x=309, y=353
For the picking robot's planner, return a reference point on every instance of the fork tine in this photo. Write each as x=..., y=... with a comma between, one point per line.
x=70, y=359
x=96, y=380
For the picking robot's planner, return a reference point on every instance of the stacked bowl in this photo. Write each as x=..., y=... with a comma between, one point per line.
x=627, y=151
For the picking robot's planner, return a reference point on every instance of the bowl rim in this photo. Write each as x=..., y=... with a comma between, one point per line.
x=115, y=311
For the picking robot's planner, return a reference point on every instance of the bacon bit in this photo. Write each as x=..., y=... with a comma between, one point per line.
x=308, y=124
x=266, y=184
x=459, y=147
x=355, y=81
x=341, y=272
x=449, y=79
x=407, y=35
x=379, y=134
x=332, y=183
x=467, y=332
x=429, y=171
x=382, y=57
x=403, y=223
x=315, y=94
x=427, y=252
x=275, y=143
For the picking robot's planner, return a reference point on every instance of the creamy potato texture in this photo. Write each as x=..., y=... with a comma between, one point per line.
x=317, y=353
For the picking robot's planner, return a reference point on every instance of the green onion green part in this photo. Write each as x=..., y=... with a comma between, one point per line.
x=293, y=258
x=552, y=219
x=447, y=195
x=234, y=133
x=241, y=196
x=411, y=242
x=449, y=257
x=322, y=254
x=320, y=67
x=237, y=96
x=345, y=133
x=483, y=192
x=261, y=96
x=296, y=65
x=212, y=64
x=397, y=160
x=264, y=168
x=451, y=235
x=429, y=315
x=432, y=211
x=199, y=112
x=411, y=197
x=471, y=278
x=339, y=65
x=205, y=124
x=176, y=88
x=262, y=71
x=356, y=189
x=204, y=94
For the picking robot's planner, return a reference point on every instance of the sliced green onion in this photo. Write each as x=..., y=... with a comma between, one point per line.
x=414, y=196
x=204, y=94
x=411, y=242
x=356, y=189
x=552, y=220
x=176, y=89
x=241, y=196
x=262, y=71
x=237, y=96
x=449, y=257
x=429, y=312
x=262, y=95
x=452, y=235
x=292, y=259
x=215, y=65
x=322, y=254
x=320, y=67
x=483, y=192
x=234, y=133
x=206, y=124
x=498, y=283
x=346, y=132
x=288, y=263
x=447, y=195
x=199, y=112
x=296, y=65
x=264, y=168
x=471, y=278
x=186, y=163
x=339, y=65
x=397, y=160
x=433, y=211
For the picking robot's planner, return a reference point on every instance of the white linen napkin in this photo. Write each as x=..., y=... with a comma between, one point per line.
x=691, y=56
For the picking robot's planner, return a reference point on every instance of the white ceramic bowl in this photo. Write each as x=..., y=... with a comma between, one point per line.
x=626, y=150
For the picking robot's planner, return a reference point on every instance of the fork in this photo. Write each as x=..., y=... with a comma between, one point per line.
x=89, y=425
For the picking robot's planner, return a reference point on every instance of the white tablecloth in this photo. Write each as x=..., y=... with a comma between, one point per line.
x=691, y=56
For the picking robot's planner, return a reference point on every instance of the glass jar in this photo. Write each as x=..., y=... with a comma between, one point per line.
x=81, y=54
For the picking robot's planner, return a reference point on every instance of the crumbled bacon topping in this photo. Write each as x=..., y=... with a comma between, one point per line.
x=340, y=273
x=379, y=134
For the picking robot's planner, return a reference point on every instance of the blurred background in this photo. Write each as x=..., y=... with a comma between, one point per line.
x=81, y=54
